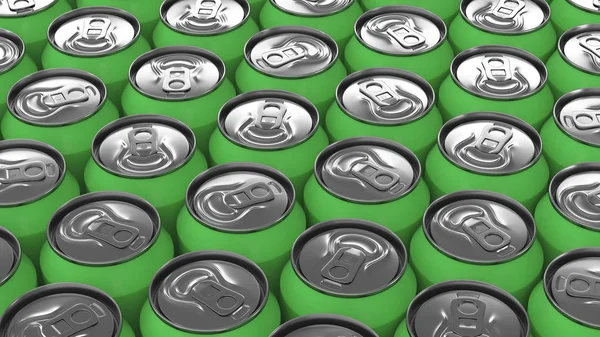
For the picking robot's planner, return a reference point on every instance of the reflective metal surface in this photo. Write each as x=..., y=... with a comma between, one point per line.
x=204, y=17
x=506, y=16
x=312, y=7
x=588, y=5
x=580, y=46
x=578, y=115
x=14, y=8
x=323, y=325
x=10, y=255
x=575, y=192
x=12, y=50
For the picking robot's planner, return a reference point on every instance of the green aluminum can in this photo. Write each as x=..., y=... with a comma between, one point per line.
x=523, y=24
x=571, y=136
x=497, y=78
x=564, y=303
x=298, y=59
x=186, y=83
x=567, y=14
x=109, y=240
x=388, y=103
x=404, y=37
x=14, y=64
x=238, y=207
x=221, y=26
x=481, y=236
x=271, y=127
x=576, y=63
x=446, y=9
x=64, y=108
x=209, y=293
x=101, y=40
x=323, y=325
x=152, y=156
x=17, y=273
x=34, y=182
x=488, y=151
x=349, y=267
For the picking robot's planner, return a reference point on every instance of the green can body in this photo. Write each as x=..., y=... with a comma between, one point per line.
x=22, y=280
x=564, y=77
x=446, y=10
x=25, y=67
x=565, y=16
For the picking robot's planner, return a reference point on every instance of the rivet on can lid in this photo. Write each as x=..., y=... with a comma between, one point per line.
x=506, y=16
x=177, y=73
x=323, y=325
x=204, y=17
x=490, y=143
x=349, y=258
x=385, y=96
x=571, y=284
x=587, y=5
x=93, y=31
x=143, y=146
x=400, y=30
x=580, y=46
x=466, y=308
x=291, y=51
x=208, y=292
x=12, y=50
x=479, y=227
x=499, y=72
x=16, y=8
x=10, y=255
x=578, y=115
x=312, y=8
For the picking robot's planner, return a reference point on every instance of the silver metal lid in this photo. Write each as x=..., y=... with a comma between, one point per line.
x=385, y=96
x=240, y=197
x=56, y=97
x=466, y=309
x=103, y=228
x=93, y=31
x=10, y=255
x=400, y=30
x=577, y=114
x=29, y=170
x=204, y=17
x=490, y=143
x=592, y=6
x=499, y=72
x=323, y=325
x=177, y=73
x=12, y=50
x=367, y=170
x=16, y=8
x=571, y=284
x=268, y=119
x=312, y=8
x=349, y=258
x=143, y=146
x=580, y=46
x=479, y=227
x=511, y=17
x=62, y=309
x=291, y=51
x=208, y=292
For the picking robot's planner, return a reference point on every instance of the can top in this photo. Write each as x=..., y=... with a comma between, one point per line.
x=312, y=8
x=571, y=285
x=587, y=5
x=240, y=197
x=323, y=325
x=56, y=97
x=577, y=114
x=490, y=143
x=268, y=119
x=580, y=46
x=93, y=31
x=12, y=50
x=385, y=96
x=479, y=227
x=10, y=254
x=16, y=8
x=466, y=308
x=29, y=170
x=177, y=73
x=400, y=30
x=103, y=228
x=291, y=52
x=62, y=309
x=349, y=258
x=208, y=292
x=509, y=17
x=499, y=72
x=204, y=17
x=143, y=146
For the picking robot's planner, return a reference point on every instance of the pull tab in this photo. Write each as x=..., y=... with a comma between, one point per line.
x=23, y=173
x=497, y=68
x=467, y=314
x=250, y=195
x=375, y=175
x=177, y=80
x=223, y=301
x=207, y=9
x=343, y=267
x=74, y=320
x=20, y=6
x=508, y=9
x=593, y=286
x=379, y=93
x=270, y=115
x=493, y=138
x=95, y=28
x=63, y=96
x=594, y=197
x=279, y=57
x=406, y=36
x=596, y=4
x=482, y=232
x=106, y=230
x=143, y=141
x=591, y=44
x=586, y=120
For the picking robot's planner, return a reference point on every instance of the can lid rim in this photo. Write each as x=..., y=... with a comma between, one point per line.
x=349, y=223
x=568, y=98
x=567, y=35
x=398, y=73
x=31, y=13
x=16, y=39
x=218, y=170
x=304, y=15
x=317, y=319
x=12, y=240
x=581, y=7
